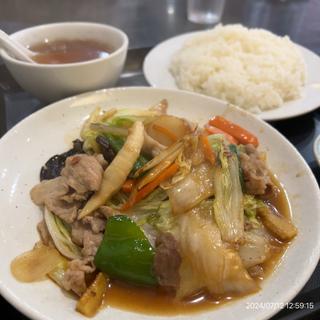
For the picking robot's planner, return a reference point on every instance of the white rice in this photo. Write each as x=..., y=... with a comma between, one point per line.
x=253, y=69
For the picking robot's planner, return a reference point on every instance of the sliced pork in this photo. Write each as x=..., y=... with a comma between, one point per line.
x=49, y=189
x=96, y=222
x=255, y=172
x=64, y=210
x=83, y=173
x=88, y=234
x=74, y=278
x=167, y=260
x=50, y=193
x=91, y=242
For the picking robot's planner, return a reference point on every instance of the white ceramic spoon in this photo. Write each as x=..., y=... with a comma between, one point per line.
x=15, y=49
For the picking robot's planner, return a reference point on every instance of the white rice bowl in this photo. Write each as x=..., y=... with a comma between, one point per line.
x=251, y=68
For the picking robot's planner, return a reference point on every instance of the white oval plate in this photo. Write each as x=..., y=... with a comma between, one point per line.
x=316, y=149
x=156, y=71
x=29, y=144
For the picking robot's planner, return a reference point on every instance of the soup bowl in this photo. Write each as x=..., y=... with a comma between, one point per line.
x=50, y=82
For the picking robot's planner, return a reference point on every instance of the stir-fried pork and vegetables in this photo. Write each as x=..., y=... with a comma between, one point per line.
x=153, y=200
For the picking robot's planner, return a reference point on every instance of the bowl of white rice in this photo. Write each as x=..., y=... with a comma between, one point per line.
x=251, y=68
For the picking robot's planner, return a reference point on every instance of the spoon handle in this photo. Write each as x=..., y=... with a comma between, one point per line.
x=14, y=48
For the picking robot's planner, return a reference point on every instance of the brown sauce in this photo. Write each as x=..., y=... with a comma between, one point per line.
x=69, y=51
x=279, y=199
x=159, y=302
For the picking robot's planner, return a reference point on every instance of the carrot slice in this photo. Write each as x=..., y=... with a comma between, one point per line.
x=136, y=196
x=166, y=132
x=128, y=185
x=207, y=150
x=241, y=134
x=214, y=130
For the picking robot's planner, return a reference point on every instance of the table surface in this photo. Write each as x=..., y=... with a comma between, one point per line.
x=147, y=23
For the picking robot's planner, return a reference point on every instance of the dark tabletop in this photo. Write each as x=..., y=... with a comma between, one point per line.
x=147, y=22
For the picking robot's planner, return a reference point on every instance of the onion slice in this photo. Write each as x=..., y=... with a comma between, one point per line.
x=167, y=129
x=34, y=265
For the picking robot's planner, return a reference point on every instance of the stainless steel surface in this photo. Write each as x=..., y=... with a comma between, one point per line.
x=205, y=11
x=148, y=22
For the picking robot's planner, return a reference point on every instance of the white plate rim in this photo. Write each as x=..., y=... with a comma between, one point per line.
x=265, y=314
x=316, y=149
x=272, y=115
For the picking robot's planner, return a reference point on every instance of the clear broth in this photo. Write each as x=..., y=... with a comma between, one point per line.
x=69, y=51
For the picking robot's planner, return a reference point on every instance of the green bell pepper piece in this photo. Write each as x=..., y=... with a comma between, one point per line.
x=125, y=253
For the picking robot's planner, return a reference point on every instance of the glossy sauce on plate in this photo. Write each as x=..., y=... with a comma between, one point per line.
x=157, y=301
x=69, y=51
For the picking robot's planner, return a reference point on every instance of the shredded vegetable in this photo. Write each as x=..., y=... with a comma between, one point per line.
x=185, y=165
x=157, y=170
x=228, y=203
x=159, y=158
x=127, y=117
x=239, y=133
x=150, y=204
x=251, y=204
x=61, y=236
x=88, y=135
x=213, y=130
x=208, y=152
x=128, y=185
x=117, y=172
x=162, y=219
x=117, y=143
x=136, y=196
x=108, y=129
x=193, y=189
x=176, y=205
